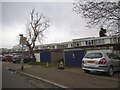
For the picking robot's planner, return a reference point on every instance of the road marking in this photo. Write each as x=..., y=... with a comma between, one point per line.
x=61, y=86
x=56, y=84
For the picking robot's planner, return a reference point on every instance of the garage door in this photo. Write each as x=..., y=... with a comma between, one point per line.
x=74, y=57
x=45, y=56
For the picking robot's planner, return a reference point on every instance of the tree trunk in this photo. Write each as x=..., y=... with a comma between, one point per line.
x=33, y=56
x=32, y=53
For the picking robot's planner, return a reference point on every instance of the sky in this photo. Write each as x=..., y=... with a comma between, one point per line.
x=65, y=24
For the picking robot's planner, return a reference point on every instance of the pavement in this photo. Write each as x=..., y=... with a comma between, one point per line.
x=52, y=75
x=66, y=78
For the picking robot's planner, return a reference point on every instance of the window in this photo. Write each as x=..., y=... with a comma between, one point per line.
x=77, y=44
x=94, y=55
x=99, y=41
x=92, y=42
x=102, y=41
x=87, y=42
x=111, y=40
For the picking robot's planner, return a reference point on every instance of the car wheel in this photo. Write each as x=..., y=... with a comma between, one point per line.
x=110, y=71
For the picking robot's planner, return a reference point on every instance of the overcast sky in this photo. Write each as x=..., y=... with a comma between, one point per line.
x=65, y=24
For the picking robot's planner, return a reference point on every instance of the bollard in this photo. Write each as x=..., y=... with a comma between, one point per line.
x=61, y=65
x=47, y=64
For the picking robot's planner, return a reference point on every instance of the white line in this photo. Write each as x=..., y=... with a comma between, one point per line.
x=55, y=84
x=61, y=86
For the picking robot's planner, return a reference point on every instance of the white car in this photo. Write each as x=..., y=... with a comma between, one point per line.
x=101, y=61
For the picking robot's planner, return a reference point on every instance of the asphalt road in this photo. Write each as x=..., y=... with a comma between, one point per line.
x=69, y=77
x=13, y=79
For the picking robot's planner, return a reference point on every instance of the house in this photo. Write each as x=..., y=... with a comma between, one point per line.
x=95, y=43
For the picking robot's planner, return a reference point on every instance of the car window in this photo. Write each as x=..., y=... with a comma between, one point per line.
x=94, y=55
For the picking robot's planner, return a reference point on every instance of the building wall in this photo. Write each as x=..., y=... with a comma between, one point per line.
x=51, y=55
x=94, y=41
x=37, y=55
x=56, y=56
x=105, y=50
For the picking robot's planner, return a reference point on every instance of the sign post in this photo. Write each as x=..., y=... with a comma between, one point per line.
x=22, y=42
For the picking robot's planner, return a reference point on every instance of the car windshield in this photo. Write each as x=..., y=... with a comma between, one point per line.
x=94, y=55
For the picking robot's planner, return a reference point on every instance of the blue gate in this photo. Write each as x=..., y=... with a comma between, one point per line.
x=73, y=57
x=45, y=56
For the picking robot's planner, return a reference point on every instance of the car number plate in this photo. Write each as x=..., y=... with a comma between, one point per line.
x=90, y=62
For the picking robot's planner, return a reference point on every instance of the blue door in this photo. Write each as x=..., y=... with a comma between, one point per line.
x=45, y=56
x=74, y=58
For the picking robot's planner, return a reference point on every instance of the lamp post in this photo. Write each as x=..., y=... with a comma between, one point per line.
x=22, y=42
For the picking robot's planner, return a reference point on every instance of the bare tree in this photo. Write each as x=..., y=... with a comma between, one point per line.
x=35, y=28
x=100, y=13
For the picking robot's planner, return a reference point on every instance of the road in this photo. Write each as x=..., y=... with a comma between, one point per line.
x=12, y=79
x=69, y=77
